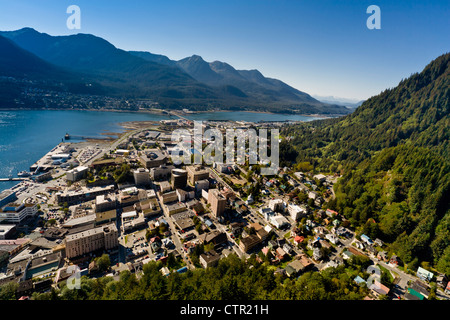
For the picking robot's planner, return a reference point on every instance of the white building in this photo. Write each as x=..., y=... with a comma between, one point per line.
x=15, y=213
x=276, y=205
x=312, y=195
x=332, y=238
x=58, y=156
x=267, y=213
x=278, y=221
x=296, y=211
x=76, y=173
x=320, y=177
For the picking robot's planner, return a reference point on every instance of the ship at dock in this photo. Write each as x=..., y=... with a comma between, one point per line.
x=23, y=174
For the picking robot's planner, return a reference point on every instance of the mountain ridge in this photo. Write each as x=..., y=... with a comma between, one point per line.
x=393, y=154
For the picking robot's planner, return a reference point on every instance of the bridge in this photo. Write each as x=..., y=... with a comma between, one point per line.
x=175, y=114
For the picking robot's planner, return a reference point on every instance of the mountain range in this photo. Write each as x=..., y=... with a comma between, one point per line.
x=92, y=63
x=393, y=154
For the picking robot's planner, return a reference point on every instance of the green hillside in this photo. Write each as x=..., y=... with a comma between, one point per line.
x=393, y=152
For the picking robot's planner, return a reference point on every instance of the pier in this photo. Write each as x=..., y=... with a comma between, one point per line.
x=77, y=137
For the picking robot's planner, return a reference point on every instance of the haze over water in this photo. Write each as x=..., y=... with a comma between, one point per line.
x=27, y=135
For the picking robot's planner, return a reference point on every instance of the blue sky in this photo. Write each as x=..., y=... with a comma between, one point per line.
x=318, y=46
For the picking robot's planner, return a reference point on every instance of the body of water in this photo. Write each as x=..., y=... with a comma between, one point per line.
x=27, y=135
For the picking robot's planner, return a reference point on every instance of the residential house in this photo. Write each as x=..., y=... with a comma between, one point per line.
x=366, y=239
x=298, y=239
x=378, y=288
x=382, y=255
x=394, y=260
x=447, y=288
x=317, y=254
x=359, y=280
x=209, y=259
x=441, y=280
x=331, y=213
x=421, y=288
x=280, y=254
x=287, y=248
x=294, y=267
x=379, y=242
x=332, y=238
x=424, y=274
x=347, y=254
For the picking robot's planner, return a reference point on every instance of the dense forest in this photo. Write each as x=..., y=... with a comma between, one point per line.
x=393, y=154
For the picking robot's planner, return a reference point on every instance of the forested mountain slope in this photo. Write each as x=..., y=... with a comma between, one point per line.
x=393, y=152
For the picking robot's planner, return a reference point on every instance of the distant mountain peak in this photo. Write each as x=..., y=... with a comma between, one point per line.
x=191, y=81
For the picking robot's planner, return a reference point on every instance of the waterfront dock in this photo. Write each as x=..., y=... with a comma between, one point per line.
x=13, y=179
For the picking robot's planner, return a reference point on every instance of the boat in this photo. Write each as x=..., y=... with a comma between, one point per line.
x=23, y=174
x=67, y=136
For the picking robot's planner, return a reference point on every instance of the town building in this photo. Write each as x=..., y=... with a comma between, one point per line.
x=209, y=259
x=168, y=197
x=141, y=177
x=76, y=174
x=217, y=201
x=179, y=178
x=196, y=173
x=151, y=158
x=105, y=217
x=276, y=205
x=148, y=207
x=17, y=212
x=165, y=186
x=297, y=211
x=7, y=231
x=201, y=185
x=162, y=172
x=105, y=202
x=247, y=243
x=6, y=197
x=82, y=195
x=278, y=221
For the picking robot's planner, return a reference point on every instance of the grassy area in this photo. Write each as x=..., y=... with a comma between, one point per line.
x=383, y=269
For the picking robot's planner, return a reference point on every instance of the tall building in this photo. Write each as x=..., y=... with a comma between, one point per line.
x=196, y=173
x=141, y=177
x=217, y=201
x=76, y=173
x=84, y=242
x=179, y=178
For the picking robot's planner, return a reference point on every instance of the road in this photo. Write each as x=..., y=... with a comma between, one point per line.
x=177, y=242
